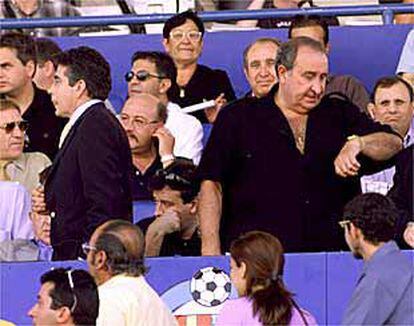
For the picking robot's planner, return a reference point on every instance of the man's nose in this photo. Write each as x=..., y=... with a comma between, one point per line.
x=318, y=86
x=159, y=209
x=263, y=70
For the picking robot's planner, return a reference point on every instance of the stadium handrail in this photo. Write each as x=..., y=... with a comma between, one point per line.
x=387, y=12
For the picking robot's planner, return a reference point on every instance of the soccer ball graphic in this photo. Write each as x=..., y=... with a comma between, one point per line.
x=210, y=286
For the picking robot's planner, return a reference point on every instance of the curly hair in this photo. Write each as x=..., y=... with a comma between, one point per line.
x=375, y=215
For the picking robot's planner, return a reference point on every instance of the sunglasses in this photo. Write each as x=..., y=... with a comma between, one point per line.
x=171, y=179
x=9, y=127
x=141, y=75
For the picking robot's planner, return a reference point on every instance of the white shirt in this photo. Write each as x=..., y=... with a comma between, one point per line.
x=130, y=301
x=74, y=117
x=14, y=212
x=381, y=182
x=406, y=63
x=187, y=131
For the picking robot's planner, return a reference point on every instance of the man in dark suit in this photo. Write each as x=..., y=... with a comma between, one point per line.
x=89, y=181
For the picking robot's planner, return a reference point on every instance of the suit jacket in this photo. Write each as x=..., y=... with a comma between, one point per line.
x=89, y=181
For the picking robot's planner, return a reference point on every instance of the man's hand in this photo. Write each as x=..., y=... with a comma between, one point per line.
x=165, y=141
x=409, y=234
x=38, y=200
x=166, y=223
x=41, y=227
x=211, y=113
x=346, y=164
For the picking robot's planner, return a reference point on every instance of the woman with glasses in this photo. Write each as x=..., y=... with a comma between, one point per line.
x=256, y=269
x=183, y=40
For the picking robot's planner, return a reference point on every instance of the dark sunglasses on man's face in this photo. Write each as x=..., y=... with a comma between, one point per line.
x=141, y=75
x=9, y=127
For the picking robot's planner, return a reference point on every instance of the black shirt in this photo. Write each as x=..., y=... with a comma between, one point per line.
x=206, y=84
x=140, y=180
x=269, y=185
x=44, y=126
x=173, y=244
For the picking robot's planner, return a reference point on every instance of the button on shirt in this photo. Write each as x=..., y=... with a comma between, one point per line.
x=384, y=293
x=140, y=180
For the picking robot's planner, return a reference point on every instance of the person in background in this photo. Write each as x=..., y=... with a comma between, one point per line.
x=39, y=9
x=183, y=41
x=405, y=66
x=384, y=292
x=256, y=270
x=278, y=4
x=259, y=60
x=46, y=49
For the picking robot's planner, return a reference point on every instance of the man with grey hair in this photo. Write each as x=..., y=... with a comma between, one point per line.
x=115, y=256
x=301, y=152
x=259, y=60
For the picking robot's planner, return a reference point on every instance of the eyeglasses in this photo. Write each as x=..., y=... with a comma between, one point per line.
x=9, y=127
x=193, y=36
x=171, y=179
x=137, y=123
x=72, y=287
x=344, y=223
x=86, y=248
x=141, y=75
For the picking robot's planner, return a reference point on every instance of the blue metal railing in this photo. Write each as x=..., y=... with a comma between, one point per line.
x=387, y=12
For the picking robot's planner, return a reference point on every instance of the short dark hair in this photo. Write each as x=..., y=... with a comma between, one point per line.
x=180, y=19
x=23, y=44
x=163, y=62
x=375, y=215
x=46, y=50
x=300, y=21
x=389, y=81
x=87, y=64
x=260, y=40
x=181, y=176
x=123, y=243
x=288, y=51
x=86, y=305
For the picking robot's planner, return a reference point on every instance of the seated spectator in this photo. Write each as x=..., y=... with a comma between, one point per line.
x=155, y=73
x=256, y=270
x=18, y=54
x=392, y=103
x=278, y=22
x=174, y=228
x=143, y=117
x=66, y=297
x=183, y=40
x=39, y=9
x=14, y=164
x=316, y=28
x=115, y=256
x=384, y=293
x=259, y=61
x=402, y=192
x=406, y=64
x=46, y=49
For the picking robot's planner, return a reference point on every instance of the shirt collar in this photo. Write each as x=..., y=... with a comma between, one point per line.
x=384, y=250
x=409, y=137
x=81, y=109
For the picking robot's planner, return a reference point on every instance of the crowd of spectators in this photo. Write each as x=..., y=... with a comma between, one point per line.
x=284, y=160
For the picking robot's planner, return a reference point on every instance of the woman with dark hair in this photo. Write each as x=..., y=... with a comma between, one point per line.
x=256, y=265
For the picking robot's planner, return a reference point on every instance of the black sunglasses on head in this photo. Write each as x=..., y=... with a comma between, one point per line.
x=9, y=127
x=141, y=75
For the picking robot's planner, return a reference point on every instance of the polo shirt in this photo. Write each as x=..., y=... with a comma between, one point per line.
x=269, y=185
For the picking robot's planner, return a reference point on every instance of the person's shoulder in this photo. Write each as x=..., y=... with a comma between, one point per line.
x=37, y=158
x=176, y=115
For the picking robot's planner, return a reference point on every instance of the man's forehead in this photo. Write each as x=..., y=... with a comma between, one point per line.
x=262, y=49
x=308, y=58
x=166, y=193
x=144, y=64
x=9, y=115
x=398, y=90
x=140, y=108
x=8, y=54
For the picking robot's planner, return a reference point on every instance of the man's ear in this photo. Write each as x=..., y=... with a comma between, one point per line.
x=165, y=85
x=194, y=206
x=80, y=87
x=327, y=48
x=64, y=315
x=281, y=72
x=49, y=68
x=30, y=68
x=166, y=44
x=243, y=269
x=100, y=260
x=371, y=110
